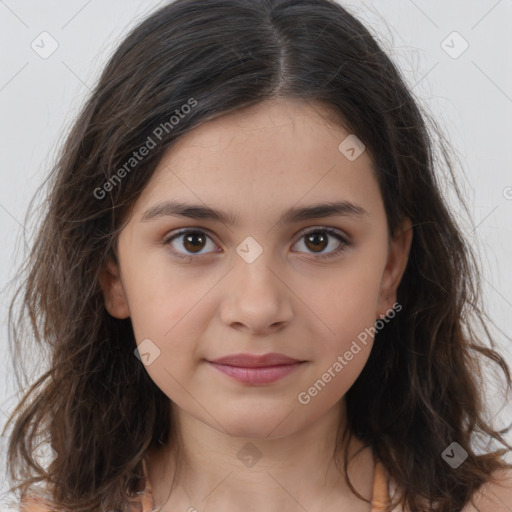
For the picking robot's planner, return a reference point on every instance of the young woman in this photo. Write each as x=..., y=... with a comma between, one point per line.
x=254, y=293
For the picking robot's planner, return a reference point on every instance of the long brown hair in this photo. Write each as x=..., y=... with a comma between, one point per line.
x=96, y=405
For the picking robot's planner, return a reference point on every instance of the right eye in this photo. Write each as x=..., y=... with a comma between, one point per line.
x=192, y=240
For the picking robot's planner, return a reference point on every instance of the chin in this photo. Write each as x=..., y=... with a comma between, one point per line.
x=248, y=431
x=257, y=424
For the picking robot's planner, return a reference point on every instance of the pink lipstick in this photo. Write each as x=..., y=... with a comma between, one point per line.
x=256, y=369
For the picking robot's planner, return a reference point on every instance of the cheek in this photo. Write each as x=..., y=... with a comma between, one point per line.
x=345, y=304
x=345, y=339
x=166, y=317
x=162, y=309
x=162, y=297
x=345, y=301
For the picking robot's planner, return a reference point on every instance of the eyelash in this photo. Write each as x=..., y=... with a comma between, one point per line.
x=330, y=231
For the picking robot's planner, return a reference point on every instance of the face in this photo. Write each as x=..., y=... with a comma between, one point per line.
x=262, y=279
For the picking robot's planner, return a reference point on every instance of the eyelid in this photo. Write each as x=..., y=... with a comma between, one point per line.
x=328, y=229
x=169, y=236
x=181, y=231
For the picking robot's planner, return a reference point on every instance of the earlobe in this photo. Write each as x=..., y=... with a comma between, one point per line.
x=113, y=290
x=396, y=264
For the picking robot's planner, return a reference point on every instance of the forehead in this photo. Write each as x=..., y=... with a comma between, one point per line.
x=272, y=154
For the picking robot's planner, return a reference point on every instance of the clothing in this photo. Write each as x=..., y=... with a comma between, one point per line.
x=381, y=494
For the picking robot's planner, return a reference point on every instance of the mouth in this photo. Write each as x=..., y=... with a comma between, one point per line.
x=256, y=369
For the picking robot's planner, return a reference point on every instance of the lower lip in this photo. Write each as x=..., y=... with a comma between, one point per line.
x=260, y=375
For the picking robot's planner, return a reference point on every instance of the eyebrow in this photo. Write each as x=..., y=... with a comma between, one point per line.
x=294, y=214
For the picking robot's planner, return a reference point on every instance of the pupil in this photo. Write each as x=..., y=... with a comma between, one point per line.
x=314, y=237
x=189, y=240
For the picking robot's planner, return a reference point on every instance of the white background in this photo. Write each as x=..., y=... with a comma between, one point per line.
x=471, y=97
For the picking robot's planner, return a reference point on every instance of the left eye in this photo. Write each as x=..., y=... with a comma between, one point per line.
x=194, y=241
x=320, y=236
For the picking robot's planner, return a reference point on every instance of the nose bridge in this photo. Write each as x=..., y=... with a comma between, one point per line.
x=250, y=250
x=253, y=261
x=256, y=297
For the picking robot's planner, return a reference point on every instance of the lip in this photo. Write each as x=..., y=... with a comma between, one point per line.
x=256, y=369
x=255, y=361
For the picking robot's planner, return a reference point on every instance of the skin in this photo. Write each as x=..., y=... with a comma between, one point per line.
x=257, y=163
x=494, y=496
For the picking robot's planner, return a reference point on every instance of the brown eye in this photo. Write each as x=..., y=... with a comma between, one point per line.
x=189, y=242
x=318, y=240
x=194, y=241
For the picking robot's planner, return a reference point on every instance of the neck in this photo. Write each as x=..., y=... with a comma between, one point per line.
x=221, y=472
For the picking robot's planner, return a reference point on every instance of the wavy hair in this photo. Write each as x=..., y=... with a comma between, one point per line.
x=421, y=387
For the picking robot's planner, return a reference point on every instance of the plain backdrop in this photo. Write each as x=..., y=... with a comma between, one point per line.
x=454, y=54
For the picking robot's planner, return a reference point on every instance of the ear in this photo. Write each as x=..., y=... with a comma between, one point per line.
x=398, y=256
x=113, y=290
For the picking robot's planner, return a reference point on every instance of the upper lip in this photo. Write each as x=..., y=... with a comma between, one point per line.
x=255, y=361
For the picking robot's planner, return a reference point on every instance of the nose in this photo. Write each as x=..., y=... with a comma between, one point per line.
x=257, y=299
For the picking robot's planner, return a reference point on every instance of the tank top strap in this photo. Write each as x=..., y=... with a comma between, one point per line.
x=380, y=498
x=147, y=496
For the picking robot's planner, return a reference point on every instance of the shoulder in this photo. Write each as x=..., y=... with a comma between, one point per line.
x=494, y=496
x=32, y=503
